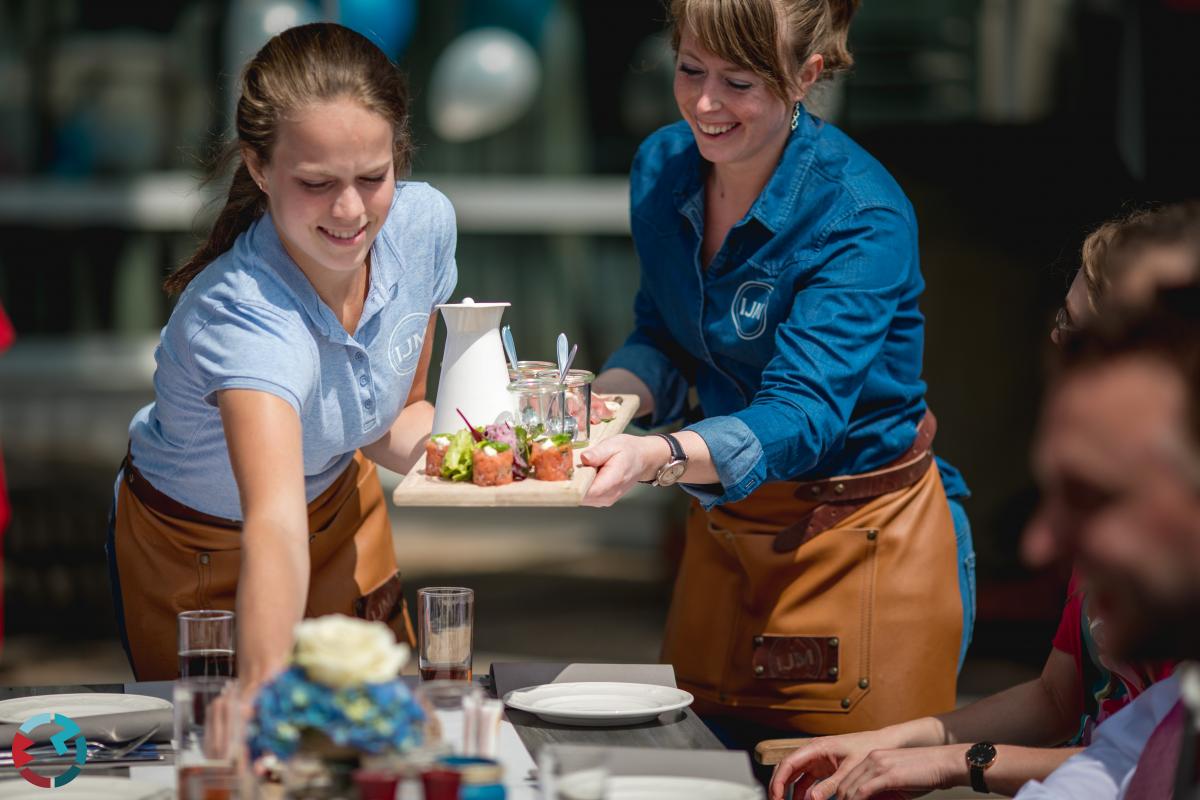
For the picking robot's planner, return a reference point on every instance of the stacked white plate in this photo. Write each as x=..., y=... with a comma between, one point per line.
x=597, y=703
x=77, y=706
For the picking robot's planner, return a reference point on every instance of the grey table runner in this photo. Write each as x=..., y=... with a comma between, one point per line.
x=729, y=765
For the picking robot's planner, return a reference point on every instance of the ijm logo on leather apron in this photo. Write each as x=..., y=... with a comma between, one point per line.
x=749, y=310
x=404, y=345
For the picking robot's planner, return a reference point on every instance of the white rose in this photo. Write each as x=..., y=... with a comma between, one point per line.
x=341, y=651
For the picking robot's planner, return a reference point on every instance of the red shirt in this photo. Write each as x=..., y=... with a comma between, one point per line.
x=1106, y=686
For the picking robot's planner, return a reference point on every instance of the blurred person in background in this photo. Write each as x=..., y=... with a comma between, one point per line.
x=780, y=284
x=298, y=350
x=1129, y=258
x=1080, y=685
x=1118, y=458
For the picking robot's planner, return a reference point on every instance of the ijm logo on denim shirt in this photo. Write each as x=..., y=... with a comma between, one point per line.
x=749, y=310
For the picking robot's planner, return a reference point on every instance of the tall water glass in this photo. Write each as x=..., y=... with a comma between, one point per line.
x=445, y=623
x=209, y=738
x=206, y=646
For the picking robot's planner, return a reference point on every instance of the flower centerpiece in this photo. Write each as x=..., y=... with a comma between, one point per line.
x=341, y=696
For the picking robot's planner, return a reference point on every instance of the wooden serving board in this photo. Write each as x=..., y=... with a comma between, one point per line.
x=419, y=489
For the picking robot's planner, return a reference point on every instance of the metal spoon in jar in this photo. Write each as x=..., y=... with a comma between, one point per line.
x=567, y=423
x=510, y=347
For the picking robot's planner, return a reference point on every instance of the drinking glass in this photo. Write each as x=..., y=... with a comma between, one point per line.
x=209, y=736
x=445, y=621
x=206, y=644
x=444, y=703
x=573, y=773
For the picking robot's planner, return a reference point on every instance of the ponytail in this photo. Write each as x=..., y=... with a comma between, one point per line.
x=245, y=203
x=834, y=47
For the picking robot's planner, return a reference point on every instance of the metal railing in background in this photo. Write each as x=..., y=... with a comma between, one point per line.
x=175, y=202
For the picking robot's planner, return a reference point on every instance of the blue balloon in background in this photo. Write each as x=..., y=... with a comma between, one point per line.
x=387, y=23
x=526, y=18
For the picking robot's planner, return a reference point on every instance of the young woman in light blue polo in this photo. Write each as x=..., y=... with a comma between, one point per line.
x=296, y=357
x=827, y=580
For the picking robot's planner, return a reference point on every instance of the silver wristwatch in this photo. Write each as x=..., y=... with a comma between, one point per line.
x=668, y=474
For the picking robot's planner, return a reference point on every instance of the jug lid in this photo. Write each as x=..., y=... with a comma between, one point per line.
x=468, y=302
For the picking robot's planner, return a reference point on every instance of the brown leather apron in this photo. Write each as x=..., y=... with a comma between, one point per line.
x=847, y=620
x=171, y=558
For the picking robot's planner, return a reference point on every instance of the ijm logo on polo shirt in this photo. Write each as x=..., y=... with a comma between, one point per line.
x=405, y=343
x=749, y=310
x=68, y=735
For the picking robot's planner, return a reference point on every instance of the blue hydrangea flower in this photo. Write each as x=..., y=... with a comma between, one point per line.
x=372, y=718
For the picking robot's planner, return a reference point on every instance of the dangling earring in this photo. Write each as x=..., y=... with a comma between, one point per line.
x=795, y=115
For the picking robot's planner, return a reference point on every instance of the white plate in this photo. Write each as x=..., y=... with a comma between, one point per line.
x=76, y=706
x=92, y=787
x=598, y=703
x=586, y=786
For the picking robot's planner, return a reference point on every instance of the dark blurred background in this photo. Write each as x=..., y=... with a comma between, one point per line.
x=1015, y=126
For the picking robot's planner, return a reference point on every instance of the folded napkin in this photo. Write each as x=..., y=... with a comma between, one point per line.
x=508, y=676
x=106, y=728
x=721, y=765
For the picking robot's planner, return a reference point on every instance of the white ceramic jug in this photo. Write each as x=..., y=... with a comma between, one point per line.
x=474, y=372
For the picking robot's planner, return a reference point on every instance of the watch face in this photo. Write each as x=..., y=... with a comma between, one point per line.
x=671, y=473
x=981, y=755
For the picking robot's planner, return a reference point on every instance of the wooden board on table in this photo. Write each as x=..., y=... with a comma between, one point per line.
x=419, y=489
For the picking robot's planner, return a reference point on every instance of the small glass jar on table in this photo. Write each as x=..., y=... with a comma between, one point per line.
x=571, y=410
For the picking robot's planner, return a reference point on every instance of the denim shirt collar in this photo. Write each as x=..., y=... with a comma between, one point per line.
x=774, y=204
x=265, y=241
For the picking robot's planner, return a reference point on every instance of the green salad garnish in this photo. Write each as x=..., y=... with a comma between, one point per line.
x=457, y=464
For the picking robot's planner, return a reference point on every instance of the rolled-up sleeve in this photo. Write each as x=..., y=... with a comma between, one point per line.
x=835, y=329
x=652, y=354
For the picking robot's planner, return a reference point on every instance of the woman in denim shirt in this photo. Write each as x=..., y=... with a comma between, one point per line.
x=827, y=583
